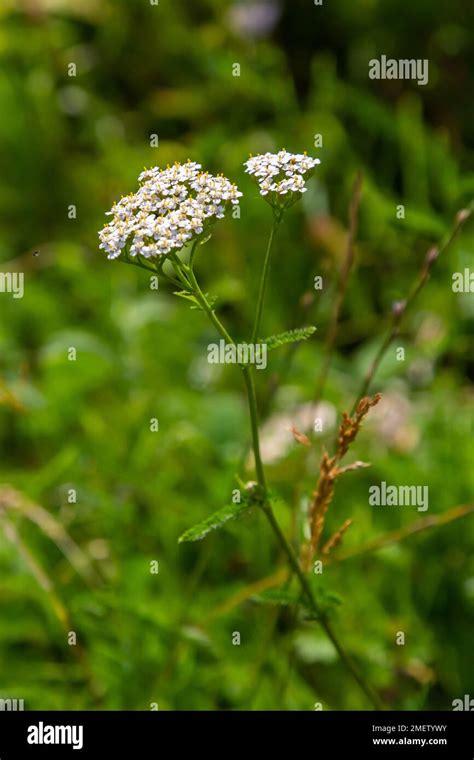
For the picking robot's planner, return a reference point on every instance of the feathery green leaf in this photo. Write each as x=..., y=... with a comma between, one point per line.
x=291, y=336
x=214, y=521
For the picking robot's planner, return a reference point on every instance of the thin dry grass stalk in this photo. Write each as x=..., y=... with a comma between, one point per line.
x=13, y=501
x=329, y=471
x=387, y=539
x=350, y=425
x=407, y=531
x=336, y=538
x=8, y=398
x=400, y=308
x=300, y=437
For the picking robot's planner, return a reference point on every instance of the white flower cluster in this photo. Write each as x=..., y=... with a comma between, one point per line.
x=170, y=208
x=281, y=173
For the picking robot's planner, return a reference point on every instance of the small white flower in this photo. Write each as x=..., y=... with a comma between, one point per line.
x=170, y=208
x=281, y=176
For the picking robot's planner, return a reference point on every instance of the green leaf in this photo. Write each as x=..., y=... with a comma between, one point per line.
x=195, y=303
x=214, y=521
x=188, y=296
x=327, y=601
x=291, y=336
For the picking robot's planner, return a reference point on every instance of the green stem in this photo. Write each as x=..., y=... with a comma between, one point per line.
x=207, y=307
x=321, y=617
x=140, y=264
x=263, y=281
x=247, y=374
x=181, y=270
x=252, y=401
x=267, y=508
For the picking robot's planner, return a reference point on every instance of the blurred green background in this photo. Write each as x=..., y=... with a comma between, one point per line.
x=166, y=638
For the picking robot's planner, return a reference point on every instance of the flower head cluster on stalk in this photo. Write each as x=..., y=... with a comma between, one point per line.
x=171, y=207
x=281, y=176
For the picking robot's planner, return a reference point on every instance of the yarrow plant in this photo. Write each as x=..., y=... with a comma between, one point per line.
x=175, y=209
x=172, y=207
